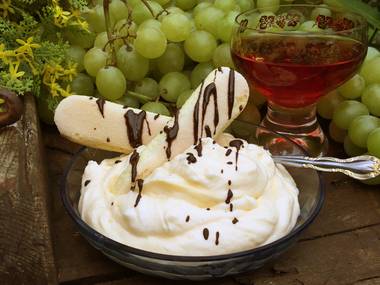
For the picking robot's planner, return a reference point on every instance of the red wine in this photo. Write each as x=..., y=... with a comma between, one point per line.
x=293, y=70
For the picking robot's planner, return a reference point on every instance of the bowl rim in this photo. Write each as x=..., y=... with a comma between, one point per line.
x=110, y=243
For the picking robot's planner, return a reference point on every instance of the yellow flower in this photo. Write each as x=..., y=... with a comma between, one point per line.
x=2, y=101
x=6, y=7
x=26, y=47
x=13, y=71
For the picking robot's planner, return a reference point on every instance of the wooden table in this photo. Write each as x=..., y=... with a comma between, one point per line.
x=341, y=247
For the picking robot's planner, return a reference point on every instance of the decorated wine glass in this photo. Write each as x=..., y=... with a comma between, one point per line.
x=293, y=55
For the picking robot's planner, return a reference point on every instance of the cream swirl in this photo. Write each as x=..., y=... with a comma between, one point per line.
x=222, y=201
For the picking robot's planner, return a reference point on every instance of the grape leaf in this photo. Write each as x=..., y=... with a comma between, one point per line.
x=370, y=13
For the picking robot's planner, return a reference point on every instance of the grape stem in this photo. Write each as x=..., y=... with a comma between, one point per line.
x=145, y=2
x=106, y=4
x=373, y=35
x=161, y=12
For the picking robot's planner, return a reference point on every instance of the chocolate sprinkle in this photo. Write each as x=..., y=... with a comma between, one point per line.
x=117, y=161
x=87, y=182
x=229, y=162
x=229, y=182
x=91, y=98
x=208, y=209
x=187, y=219
x=234, y=221
x=108, y=140
x=100, y=102
x=241, y=108
x=112, y=203
x=156, y=116
x=205, y=233
x=231, y=207
x=228, y=152
x=221, y=171
x=190, y=158
x=94, y=129
x=217, y=238
x=231, y=92
x=229, y=196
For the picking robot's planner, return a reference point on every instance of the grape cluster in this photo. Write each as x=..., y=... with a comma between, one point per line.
x=154, y=52
x=354, y=110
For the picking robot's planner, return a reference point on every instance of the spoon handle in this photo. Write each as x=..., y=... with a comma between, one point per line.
x=359, y=167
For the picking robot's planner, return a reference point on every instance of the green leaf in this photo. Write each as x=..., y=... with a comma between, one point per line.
x=370, y=13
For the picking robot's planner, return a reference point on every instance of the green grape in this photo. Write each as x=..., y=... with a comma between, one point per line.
x=347, y=111
x=187, y=73
x=373, y=142
x=173, y=10
x=172, y=85
x=82, y=84
x=76, y=54
x=309, y=26
x=118, y=10
x=150, y=23
x=133, y=65
x=371, y=54
x=176, y=27
x=128, y=101
x=80, y=38
x=268, y=5
x=245, y=5
x=371, y=98
x=185, y=4
x=200, y=7
x=124, y=28
x=200, y=46
x=371, y=71
x=111, y=83
x=102, y=39
x=226, y=25
x=150, y=43
x=353, y=88
x=206, y=19
x=182, y=98
x=140, y=12
x=95, y=18
x=222, y=56
x=173, y=59
x=360, y=128
x=147, y=87
x=321, y=10
x=337, y=134
x=156, y=107
x=225, y=5
x=162, y=2
x=94, y=59
x=200, y=72
x=351, y=149
x=327, y=104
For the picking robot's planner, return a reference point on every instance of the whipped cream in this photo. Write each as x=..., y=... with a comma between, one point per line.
x=209, y=200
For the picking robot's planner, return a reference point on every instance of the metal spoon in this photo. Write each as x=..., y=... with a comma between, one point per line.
x=359, y=167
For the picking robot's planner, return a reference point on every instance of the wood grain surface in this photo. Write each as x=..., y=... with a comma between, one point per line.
x=26, y=254
x=341, y=247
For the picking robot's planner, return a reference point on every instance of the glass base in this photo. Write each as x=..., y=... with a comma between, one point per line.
x=298, y=124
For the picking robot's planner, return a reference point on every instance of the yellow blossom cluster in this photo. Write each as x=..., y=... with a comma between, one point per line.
x=55, y=73
x=13, y=58
x=64, y=18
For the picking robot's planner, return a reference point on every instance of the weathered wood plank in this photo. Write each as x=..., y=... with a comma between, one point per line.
x=26, y=254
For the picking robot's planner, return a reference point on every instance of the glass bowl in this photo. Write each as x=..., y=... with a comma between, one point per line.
x=311, y=197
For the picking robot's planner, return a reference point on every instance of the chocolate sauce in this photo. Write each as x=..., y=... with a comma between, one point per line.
x=210, y=90
x=133, y=161
x=134, y=122
x=199, y=147
x=196, y=115
x=190, y=158
x=117, y=161
x=241, y=108
x=187, y=219
x=231, y=207
x=213, y=142
x=87, y=182
x=221, y=171
x=140, y=184
x=206, y=233
x=217, y=238
x=91, y=98
x=220, y=69
x=229, y=196
x=208, y=209
x=228, y=152
x=171, y=134
x=108, y=139
x=148, y=126
x=156, y=116
x=238, y=144
x=208, y=131
x=231, y=92
x=125, y=107
x=100, y=102
x=229, y=182
x=234, y=221
x=229, y=162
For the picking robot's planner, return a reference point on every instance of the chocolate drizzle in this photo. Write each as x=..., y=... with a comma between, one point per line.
x=87, y=182
x=210, y=90
x=140, y=184
x=231, y=207
x=156, y=116
x=100, y=102
x=133, y=160
x=108, y=139
x=148, y=127
x=231, y=92
x=117, y=161
x=234, y=221
x=217, y=238
x=171, y=134
x=187, y=219
x=229, y=196
x=196, y=115
x=190, y=158
x=229, y=182
x=198, y=147
x=237, y=144
x=134, y=122
x=206, y=233
x=228, y=152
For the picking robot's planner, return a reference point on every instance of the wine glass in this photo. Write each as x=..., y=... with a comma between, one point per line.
x=293, y=55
